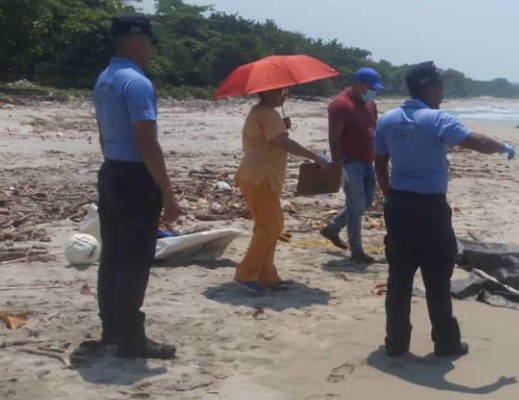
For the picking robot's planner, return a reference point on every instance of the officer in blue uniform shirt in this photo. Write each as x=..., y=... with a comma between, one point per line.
x=415, y=138
x=133, y=188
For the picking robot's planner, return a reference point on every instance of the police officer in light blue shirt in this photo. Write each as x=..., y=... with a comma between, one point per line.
x=133, y=188
x=415, y=138
x=123, y=79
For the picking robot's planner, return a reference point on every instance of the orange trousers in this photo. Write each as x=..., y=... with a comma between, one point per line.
x=265, y=207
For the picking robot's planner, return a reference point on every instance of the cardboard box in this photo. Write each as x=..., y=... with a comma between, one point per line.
x=315, y=180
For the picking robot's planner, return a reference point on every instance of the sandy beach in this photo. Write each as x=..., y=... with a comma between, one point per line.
x=321, y=340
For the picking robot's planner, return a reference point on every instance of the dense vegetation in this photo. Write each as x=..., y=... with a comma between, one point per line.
x=65, y=43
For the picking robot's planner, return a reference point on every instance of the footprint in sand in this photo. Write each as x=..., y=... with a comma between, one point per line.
x=339, y=373
x=324, y=396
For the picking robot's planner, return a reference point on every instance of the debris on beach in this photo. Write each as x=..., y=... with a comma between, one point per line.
x=14, y=320
x=62, y=185
x=380, y=288
x=28, y=205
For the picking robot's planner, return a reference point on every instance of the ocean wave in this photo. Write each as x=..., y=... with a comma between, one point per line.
x=508, y=112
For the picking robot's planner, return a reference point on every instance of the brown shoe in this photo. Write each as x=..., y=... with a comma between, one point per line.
x=334, y=238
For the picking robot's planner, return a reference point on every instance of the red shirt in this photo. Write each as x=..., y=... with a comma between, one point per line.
x=359, y=119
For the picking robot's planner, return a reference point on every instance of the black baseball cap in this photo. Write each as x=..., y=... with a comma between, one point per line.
x=422, y=75
x=132, y=23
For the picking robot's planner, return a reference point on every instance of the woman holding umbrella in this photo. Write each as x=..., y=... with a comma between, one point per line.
x=260, y=178
x=266, y=145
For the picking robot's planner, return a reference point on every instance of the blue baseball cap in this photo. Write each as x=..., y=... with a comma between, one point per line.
x=369, y=77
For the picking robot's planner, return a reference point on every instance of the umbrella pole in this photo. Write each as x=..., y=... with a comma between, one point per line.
x=286, y=119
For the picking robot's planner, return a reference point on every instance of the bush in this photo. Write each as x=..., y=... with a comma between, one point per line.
x=185, y=92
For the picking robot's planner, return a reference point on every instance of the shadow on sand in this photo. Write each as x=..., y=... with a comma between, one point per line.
x=298, y=295
x=343, y=263
x=100, y=366
x=429, y=371
x=184, y=262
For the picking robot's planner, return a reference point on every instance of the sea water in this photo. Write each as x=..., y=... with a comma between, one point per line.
x=485, y=110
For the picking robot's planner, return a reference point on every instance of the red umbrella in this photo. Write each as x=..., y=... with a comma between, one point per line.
x=273, y=72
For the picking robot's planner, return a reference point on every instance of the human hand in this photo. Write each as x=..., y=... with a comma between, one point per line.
x=322, y=163
x=171, y=208
x=508, y=149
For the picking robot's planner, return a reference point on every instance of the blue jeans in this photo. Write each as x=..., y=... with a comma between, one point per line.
x=359, y=189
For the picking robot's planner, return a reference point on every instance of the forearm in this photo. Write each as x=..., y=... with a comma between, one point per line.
x=383, y=181
x=335, y=147
x=335, y=129
x=482, y=144
x=292, y=147
x=382, y=172
x=101, y=138
x=102, y=144
x=153, y=159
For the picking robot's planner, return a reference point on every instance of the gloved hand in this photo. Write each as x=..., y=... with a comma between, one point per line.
x=325, y=156
x=508, y=149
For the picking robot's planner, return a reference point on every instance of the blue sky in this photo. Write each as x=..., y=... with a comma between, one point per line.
x=477, y=37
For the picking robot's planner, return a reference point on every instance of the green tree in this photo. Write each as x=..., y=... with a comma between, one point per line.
x=455, y=84
x=186, y=37
x=79, y=43
x=230, y=51
x=23, y=25
x=67, y=43
x=69, y=37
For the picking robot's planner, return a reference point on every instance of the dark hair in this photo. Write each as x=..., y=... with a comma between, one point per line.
x=415, y=91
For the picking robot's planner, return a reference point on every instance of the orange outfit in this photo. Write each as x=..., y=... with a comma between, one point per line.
x=260, y=177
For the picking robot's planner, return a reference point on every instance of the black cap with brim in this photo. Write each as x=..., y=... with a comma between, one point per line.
x=423, y=74
x=132, y=23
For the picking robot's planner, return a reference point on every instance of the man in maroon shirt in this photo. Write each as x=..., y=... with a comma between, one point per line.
x=352, y=117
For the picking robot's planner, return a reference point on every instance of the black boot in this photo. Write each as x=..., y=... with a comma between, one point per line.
x=149, y=349
x=460, y=349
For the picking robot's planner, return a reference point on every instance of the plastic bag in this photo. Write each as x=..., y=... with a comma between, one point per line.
x=90, y=223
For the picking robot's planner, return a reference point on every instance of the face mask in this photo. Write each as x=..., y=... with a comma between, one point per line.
x=369, y=95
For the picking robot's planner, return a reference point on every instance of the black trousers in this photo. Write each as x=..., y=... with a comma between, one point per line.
x=129, y=210
x=419, y=235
